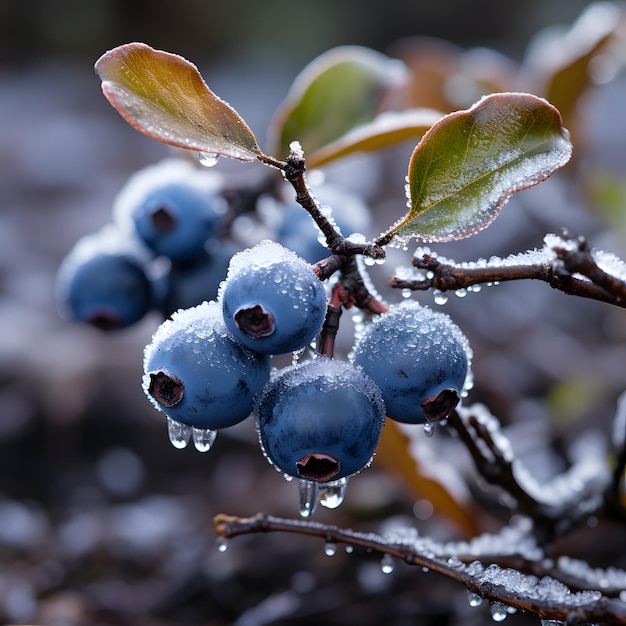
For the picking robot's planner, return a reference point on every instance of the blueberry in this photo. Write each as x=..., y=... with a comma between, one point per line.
x=320, y=420
x=197, y=374
x=297, y=231
x=272, y=301
x=173, y=208
x=103, y=282
x=420, y=360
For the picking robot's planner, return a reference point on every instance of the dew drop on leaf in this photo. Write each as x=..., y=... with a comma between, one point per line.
x=203, y=438
x=208, y=159
x=178, y=433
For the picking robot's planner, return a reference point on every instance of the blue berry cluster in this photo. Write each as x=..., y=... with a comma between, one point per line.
x=160, y=252
x=229, y=312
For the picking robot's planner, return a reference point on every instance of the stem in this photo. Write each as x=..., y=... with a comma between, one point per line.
x=558, y=274
x=604, y=609
x=294, y=172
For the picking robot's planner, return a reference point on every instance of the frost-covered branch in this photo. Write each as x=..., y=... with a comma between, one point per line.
x=541, y=595
x=566, y=501
x=566, y=264
x=294, y=173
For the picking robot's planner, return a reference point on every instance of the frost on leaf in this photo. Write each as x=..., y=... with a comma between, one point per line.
x=163, y=95
x=469, y=163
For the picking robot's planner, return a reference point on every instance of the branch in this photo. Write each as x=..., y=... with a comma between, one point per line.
x=294, y=173
x=557, y=506
x=566, y=264
x=545, y=597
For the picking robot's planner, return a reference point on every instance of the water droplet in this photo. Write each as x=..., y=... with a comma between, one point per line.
x=551, y=622
x=425, y=570
x=474, y=599
x=288, y=477
x=369, y=261
x=386, y=564
x=331, y=494
x=178, y=433
x=429, y=429
x=330, y=549
x=499, y=612
x=208, y=159
x=349, y=549
x=308, y=496
x=222, y=544
x=406, y=293
x=380, y=261
x=203, y=438
x=439, y=297
x=461, y=293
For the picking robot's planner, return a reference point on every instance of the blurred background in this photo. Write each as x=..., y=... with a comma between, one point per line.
x=102, y=521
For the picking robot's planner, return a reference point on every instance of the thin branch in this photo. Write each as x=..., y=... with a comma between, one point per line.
x=557, y=506
x=294, y=173
x=546, y=597
x=570, y=269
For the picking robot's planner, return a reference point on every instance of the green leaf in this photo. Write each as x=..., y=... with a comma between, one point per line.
x=164, y=96
x=338, y=91
x=388, y=128
x=470, y=162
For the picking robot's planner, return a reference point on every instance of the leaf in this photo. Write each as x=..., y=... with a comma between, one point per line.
x=470, y=162
x=388, y=128
x=338, y=91
x=163, y=95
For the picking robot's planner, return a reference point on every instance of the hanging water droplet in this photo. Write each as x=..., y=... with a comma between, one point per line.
x=439, y=297
x=203, y=438
x=330, y=549
x=369, y=261
x=498, y=612
x=474, y=599
x=222, y=544
x=425, y=570
x=308, y=496
x=288, y=477
x=331, y=494
x=429, y=429
x=461, y=293
x=380, y=261
x=178, y=433
x=208, y=159
x=349, y=549
x=406, y=293
x=386, y=564
x=551, y=622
